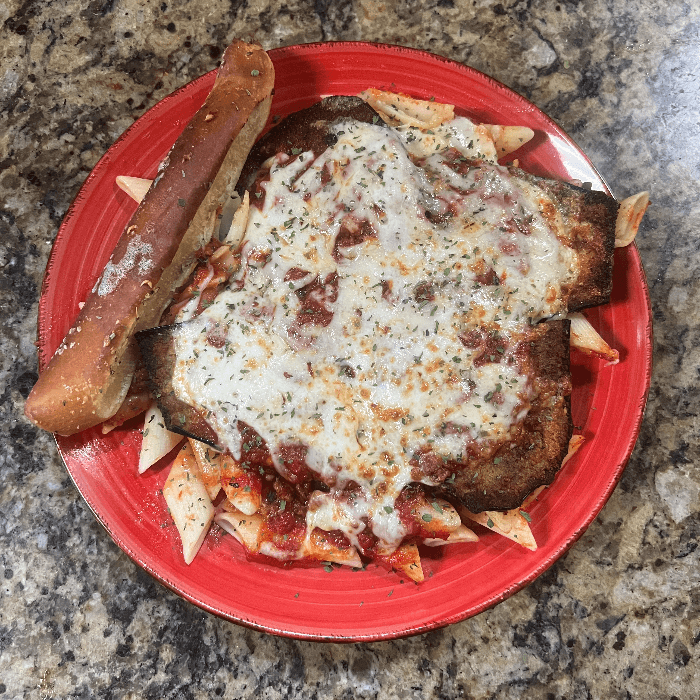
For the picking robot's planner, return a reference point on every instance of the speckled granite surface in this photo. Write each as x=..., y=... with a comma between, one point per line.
x=617, y=617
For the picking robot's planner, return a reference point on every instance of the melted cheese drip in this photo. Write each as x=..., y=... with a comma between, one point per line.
x=389, y=373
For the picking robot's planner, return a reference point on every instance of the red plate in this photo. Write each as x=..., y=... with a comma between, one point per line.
x=310, y=603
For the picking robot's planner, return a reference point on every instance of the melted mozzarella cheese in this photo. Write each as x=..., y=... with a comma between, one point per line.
x=385, y=370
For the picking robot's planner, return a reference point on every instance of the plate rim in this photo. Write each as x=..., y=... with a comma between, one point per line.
x=407, y=630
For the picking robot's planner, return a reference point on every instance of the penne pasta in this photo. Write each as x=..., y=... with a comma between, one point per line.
x=209, y=462
x=403, y=110
x=629, y=216
x=188, y=502
x=436, y=517
x=320, y=547
x=489, y=141
x=239, y=222
x=243, y=487
x=575, y=444
x=157, y=439
x=404, y=560
x=585, y=338
x=507, y=139
x=245, y=528
x=512, y=524
x=457, y=536
x=135, y=187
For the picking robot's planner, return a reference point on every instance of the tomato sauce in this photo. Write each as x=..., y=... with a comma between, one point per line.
x=316, y=299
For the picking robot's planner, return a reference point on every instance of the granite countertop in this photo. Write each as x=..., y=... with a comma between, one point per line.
x=616, y=617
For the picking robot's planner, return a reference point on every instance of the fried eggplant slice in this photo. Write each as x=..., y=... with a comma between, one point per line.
x=306, y=130
x=158, y=354
x=587, y=218
x=500, y=475
x=489, y=471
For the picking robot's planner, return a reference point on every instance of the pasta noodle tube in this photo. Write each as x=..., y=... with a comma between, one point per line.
x=245, y=528
x=243, y=487
x=426, y=516
x=157, y=439
x=239, y=222
x=512, y=524
x=319, y=546
x=209, y=462
x=436, y=517
x=457, y=536
x=135, y=187
x=575, y=444
x=585, y=338
x=407, y=111
x=507, y=139
x=629, y=216
x=404, y=560
x=188, y=502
